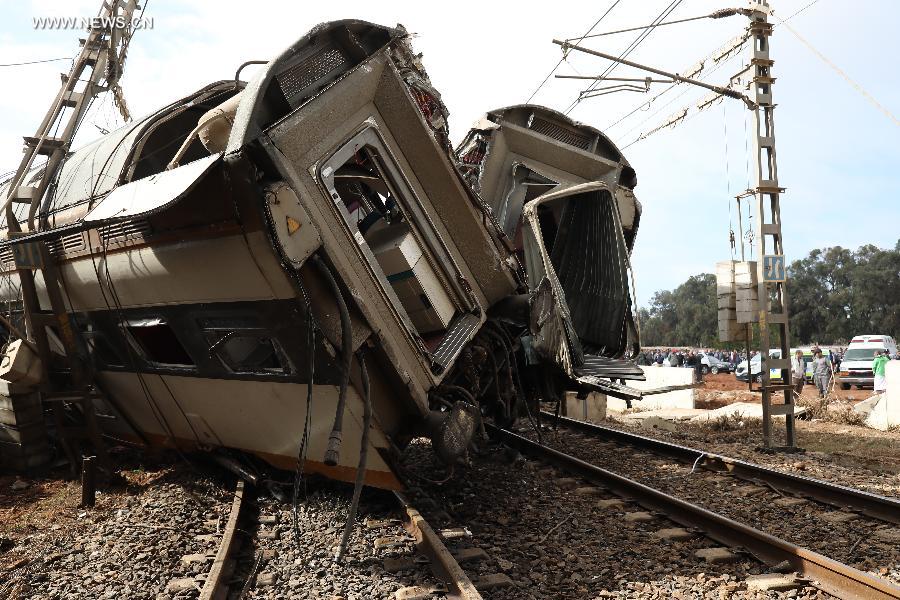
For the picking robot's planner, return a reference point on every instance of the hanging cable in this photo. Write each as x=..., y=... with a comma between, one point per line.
x=333, y=451
x=728, y=181
x=307, y=424
x=363, y=456
x=553, y=70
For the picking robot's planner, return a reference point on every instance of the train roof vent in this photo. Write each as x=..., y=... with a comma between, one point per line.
x=561, y=133
x=324, y=61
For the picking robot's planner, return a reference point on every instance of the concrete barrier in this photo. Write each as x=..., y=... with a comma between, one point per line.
x=886, y=412
x=659, y=377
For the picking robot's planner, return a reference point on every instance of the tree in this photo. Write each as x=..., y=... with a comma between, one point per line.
x=834, y=294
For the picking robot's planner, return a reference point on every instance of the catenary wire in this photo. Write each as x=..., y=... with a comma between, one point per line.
x=553, y=70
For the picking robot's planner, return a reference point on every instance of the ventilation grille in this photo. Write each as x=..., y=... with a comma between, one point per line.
x=74, y=242
x=123, y=232
x=562, y=134
x=300, y=77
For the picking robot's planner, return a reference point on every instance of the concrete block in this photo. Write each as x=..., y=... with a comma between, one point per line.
x=394, y=565
x=492, y=582
x=588, y=491
x=839, y=517
x=611, y=503
x=789, y=502
x=592, y=409
x=414, y=592
x=773, y=582
x=886, y=412
x=638, y=517
x=716, y=555
x=655, y=378
x=470, y=555
x=675, y=534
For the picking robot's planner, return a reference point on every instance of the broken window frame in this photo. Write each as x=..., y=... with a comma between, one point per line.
x=218, y=335
x=136, y=345
x=433, y=248
x=510, y=221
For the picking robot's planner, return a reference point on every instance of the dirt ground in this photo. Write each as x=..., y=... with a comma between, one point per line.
x=724, y=388
x=831, y=432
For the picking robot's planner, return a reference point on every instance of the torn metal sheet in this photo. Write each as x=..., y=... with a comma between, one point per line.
x=152, y=193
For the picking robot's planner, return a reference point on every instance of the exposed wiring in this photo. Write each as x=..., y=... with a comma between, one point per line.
x=363, y=456
x=332, y=452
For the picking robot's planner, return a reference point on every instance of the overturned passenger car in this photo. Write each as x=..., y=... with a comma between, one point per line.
x=303, y=267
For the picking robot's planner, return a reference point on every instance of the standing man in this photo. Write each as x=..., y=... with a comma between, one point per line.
x=798, y=372
x=878, y=365
x=821, y=372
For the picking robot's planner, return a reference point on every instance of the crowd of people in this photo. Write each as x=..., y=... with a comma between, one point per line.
x=684, y=357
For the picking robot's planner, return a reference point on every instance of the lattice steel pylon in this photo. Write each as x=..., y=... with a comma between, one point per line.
x=773, y=296
x=97, y=68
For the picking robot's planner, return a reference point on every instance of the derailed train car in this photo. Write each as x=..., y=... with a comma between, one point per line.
x=302, y=266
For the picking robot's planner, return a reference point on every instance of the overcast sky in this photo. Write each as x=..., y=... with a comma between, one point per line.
x=838, y=155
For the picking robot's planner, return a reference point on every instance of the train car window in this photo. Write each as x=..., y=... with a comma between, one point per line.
x=157, y=343
x=99, y=349
x=247, y=351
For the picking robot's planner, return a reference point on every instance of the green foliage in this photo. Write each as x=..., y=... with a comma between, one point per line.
x=834, y=293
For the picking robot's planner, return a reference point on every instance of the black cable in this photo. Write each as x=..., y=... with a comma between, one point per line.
x=333, y=451
x=628, y=50
x=553, y=70
x=304, y=439
x=363, y=456
x=35, y=62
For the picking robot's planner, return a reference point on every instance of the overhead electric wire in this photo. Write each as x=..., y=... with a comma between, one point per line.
x=35, y=62
x=628, y=50
x=553, y=70
x=715, y=15
x=869, y=97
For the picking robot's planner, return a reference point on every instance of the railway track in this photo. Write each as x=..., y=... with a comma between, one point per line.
x=827, y=574
x=873, y=505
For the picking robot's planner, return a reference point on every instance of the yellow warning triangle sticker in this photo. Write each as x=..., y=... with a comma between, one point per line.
x=293, y=225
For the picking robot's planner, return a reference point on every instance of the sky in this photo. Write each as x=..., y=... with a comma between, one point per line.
x=838, y=155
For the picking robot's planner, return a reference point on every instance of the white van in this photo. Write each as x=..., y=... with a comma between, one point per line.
x=856, y=366
x=755, y=368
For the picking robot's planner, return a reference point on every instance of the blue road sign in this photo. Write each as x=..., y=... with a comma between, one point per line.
x=773, y=267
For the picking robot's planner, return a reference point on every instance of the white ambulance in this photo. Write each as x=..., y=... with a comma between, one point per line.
x=856, y=366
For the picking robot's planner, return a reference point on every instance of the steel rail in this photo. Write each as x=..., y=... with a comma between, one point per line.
x=215, y=585
x=824, y=573
x=873, y=505
x=442, y=562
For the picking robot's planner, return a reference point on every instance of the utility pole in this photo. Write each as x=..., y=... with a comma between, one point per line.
x=766, y=284
x=773, y=297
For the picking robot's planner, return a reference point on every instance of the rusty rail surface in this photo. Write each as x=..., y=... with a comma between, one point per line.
x=873, y=505
x=428, y=542
x=215, y=586
x=824, y=573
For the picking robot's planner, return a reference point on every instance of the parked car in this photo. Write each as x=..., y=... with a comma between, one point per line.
x=856, y=367
x=713, y=365
x=742, y=373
